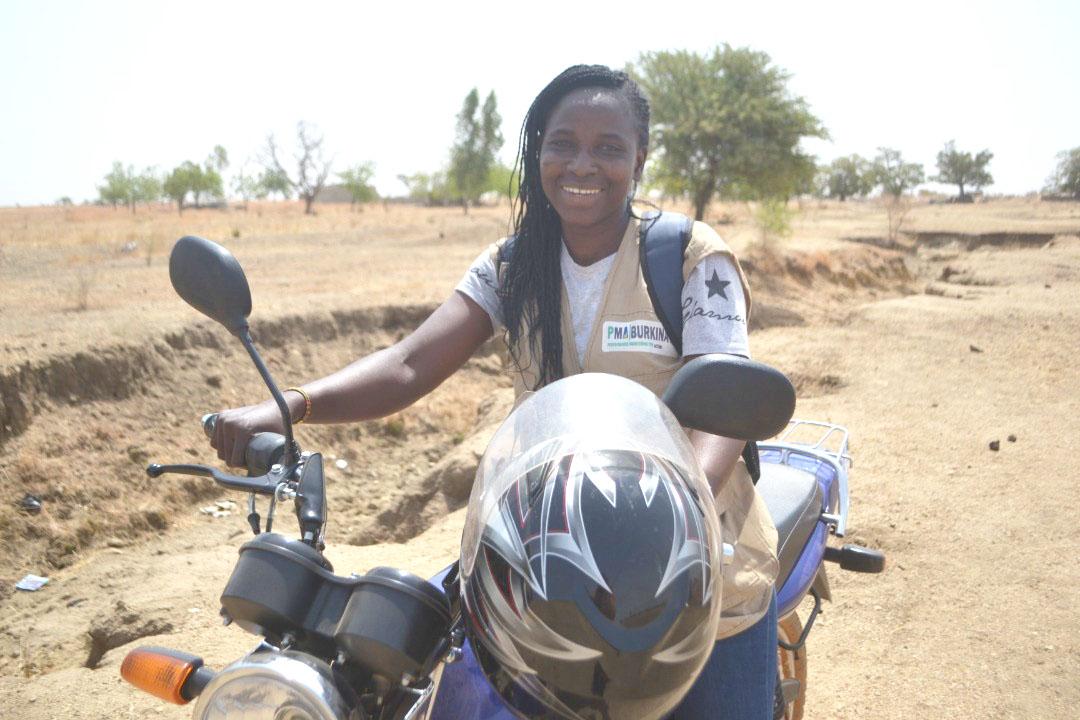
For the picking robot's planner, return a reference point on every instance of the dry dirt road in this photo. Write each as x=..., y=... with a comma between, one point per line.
x=977, y=615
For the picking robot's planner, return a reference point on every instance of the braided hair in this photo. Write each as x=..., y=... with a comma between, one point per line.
x=531, y=286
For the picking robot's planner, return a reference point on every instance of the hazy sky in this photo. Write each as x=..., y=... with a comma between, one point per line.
x=153, y=83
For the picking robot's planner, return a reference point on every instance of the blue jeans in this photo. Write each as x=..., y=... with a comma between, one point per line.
x=739, y=680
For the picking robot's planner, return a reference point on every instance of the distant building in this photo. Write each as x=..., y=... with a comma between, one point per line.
x=334, y=194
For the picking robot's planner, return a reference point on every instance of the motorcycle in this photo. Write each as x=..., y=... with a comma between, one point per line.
x=389, y=645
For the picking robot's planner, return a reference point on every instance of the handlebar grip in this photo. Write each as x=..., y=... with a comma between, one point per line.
x=208, y=422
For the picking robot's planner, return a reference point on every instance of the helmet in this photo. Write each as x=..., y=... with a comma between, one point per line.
x=590, y=558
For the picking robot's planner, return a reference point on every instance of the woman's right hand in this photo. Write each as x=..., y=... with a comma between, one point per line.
x=234, y=428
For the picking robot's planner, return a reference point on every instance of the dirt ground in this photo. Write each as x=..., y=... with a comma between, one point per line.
x=927, y=357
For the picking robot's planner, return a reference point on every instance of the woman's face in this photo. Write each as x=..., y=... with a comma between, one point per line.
x=589, y=157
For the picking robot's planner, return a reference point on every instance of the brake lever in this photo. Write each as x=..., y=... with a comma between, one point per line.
x=261, y=484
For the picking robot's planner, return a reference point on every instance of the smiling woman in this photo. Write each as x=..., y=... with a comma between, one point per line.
x=569, y=292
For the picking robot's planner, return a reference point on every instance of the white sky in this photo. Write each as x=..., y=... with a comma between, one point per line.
x=154, y=83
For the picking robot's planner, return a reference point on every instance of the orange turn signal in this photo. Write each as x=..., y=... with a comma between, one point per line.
x=161, y=672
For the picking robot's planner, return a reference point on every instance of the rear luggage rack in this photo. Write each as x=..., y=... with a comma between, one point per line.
x=828, y=445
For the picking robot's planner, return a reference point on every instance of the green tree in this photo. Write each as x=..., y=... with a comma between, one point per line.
x=961, y=169
x=503, y=180
x=1066, y=177
x=183, y=179
x=479, y=137
x=845, y=177
x=272, y=181
x=119, y=186
x=357, y=180
x=418, y=186
x=725, y=123
x=146, y=187
x=248, y=186
x=893, y=174
x=208, y=181
x=431, y=189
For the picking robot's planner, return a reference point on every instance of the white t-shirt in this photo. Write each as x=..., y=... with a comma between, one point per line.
x=714, y=307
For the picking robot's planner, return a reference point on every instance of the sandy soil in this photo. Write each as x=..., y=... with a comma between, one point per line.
x=976, y=615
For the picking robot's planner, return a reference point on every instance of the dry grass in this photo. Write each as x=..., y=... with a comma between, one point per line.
x=57, y=260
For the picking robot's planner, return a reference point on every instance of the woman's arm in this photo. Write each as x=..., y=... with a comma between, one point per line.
x=717, y=456
x=379, y=384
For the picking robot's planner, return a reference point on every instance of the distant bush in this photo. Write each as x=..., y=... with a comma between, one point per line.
x=773, y=219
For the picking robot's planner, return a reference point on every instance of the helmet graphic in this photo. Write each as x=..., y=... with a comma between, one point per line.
x=590, y=560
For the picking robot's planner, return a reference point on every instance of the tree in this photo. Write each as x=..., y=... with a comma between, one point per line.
x=725, y=123
x=357, y=180
x=271, y=181
x=208, y=181
x=503, y=180
x=434, y=189
x=893, y=174
x=845, y=177
x=478, y=139
x=118, y=187
x=961, y=169
x=312, y=168
x=183, y=179
x=146, y=187
x=248, y=186
x=1066, y=177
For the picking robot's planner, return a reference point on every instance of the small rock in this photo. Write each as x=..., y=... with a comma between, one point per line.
x=30, y=504
x=1011, y=438
x=1047, y=286
x=137, y=455
x=974, y=348
x=995, y=445
x=213, y=381
x=341, y=464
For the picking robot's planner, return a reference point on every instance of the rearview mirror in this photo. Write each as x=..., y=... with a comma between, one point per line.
x=210, y=279
x=731, y=396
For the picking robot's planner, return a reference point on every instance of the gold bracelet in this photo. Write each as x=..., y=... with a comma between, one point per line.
x=307, y=404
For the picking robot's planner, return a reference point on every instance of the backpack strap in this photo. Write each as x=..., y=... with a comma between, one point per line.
x=505, y=252
x=664, y=238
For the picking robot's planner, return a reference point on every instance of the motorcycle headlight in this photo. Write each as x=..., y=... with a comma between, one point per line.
x=270, y=685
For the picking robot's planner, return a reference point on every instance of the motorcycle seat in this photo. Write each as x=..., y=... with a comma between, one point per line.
x=794, y=500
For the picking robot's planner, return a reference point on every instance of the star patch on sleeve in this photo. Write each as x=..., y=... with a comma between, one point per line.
x=716, y=286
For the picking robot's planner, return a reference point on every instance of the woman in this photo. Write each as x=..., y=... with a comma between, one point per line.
x=565, y=293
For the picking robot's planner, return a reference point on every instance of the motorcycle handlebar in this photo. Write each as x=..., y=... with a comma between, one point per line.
x=209, y=421
x=264, y=450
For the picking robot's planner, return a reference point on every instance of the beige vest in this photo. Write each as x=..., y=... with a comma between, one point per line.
x=748, y=578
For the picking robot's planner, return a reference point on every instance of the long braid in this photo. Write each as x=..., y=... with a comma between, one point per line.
x=531, y=286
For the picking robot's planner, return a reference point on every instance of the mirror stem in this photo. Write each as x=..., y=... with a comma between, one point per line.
x=286, y=418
